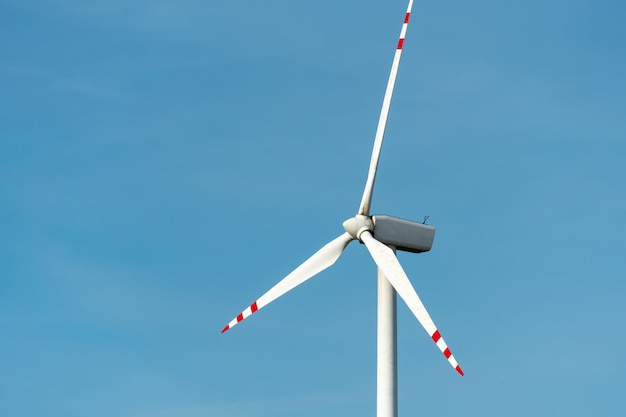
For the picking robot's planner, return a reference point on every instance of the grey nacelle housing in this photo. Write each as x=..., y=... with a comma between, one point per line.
x=405, y=235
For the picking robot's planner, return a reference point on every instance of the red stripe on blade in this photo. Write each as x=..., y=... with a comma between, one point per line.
x=239, y=317
x=447, y=353
x=400, y=43
x=459, y=370
x=406, y=18
x=225, y=328
x=254, y=307
x=436, y=336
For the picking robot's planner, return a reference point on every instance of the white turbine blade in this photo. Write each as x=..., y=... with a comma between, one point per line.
x=321, y=260
x=366, y=200
x=388, y=263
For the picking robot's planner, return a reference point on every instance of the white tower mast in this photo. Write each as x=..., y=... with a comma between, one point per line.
x=386, y=352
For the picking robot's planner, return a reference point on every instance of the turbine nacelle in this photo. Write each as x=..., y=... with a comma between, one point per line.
x=404, y=235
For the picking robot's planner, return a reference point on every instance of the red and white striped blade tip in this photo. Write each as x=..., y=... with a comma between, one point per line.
x=442, y=345
x=244, y=314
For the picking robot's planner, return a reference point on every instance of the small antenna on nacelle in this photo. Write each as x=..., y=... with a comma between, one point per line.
x=425, y=218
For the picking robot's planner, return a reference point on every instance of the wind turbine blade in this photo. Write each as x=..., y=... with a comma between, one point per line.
x=388, y=263
x=366, y=200
x=320, y=260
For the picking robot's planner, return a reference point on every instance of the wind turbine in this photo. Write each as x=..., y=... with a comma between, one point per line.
x=382, y=235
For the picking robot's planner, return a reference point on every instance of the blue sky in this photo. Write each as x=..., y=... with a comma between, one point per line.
x=162, y=164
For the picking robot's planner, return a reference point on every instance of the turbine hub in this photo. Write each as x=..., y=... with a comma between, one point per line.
x=358, y=224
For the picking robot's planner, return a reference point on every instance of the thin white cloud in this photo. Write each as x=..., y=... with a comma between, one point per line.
x=88, y=86
x=83, y=84
x=263, y=408
x=142, y=15
x=22, y=70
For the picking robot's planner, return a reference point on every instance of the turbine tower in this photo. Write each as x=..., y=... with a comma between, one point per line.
x=382, y=235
